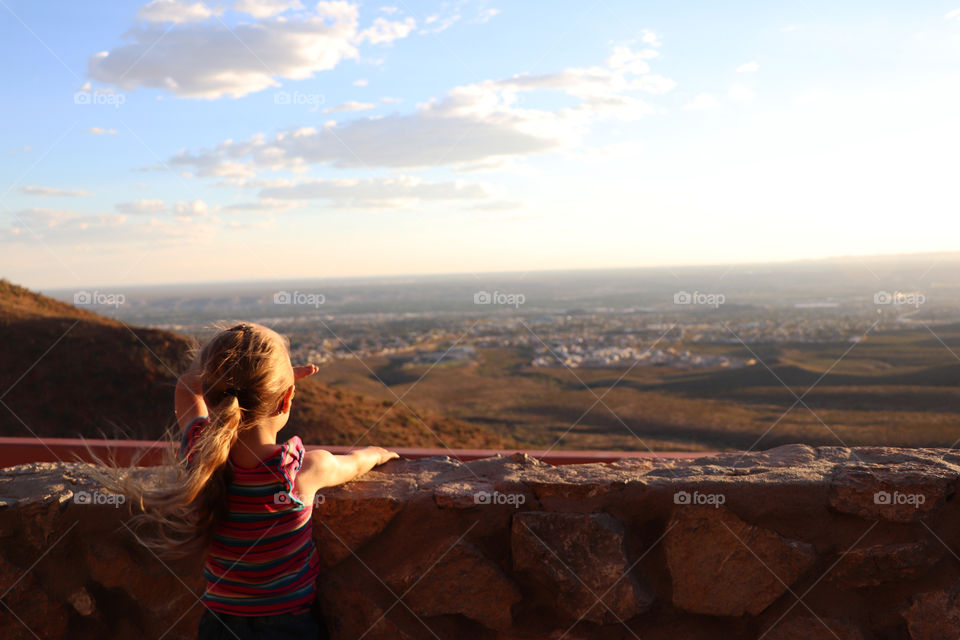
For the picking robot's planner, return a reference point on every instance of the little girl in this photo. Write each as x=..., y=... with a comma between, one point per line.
x=243, y=499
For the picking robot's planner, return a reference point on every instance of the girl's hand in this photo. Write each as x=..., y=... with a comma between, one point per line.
x=304, y=371
x=383, y=454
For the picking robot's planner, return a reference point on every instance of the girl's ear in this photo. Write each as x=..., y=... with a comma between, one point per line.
x=287, y=400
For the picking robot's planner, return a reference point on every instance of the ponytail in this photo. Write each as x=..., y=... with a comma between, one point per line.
x=205, y=486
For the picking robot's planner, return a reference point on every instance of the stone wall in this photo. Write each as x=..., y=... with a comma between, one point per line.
x=792, y=543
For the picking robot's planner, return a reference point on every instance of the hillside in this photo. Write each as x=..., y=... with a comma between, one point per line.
x=333, y=416
x=68, y=372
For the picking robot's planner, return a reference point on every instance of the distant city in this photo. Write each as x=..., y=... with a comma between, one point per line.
x=638, y=317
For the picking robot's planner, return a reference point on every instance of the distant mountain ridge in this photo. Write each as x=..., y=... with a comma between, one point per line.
x=69, y=372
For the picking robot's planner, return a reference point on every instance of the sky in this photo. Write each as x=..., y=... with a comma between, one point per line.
x=179, y=141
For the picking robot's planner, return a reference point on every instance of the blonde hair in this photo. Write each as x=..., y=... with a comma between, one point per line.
x=244, y=372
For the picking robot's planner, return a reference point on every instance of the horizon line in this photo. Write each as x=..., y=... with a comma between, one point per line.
x=448, y=274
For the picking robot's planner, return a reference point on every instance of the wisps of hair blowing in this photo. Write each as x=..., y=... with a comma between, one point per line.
x=244, y=371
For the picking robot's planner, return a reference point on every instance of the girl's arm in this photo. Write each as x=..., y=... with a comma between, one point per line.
x=324, y=469
x=188, y=398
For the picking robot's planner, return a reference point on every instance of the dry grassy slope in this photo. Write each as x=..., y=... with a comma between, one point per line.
x=338, y=417
x=66, y=371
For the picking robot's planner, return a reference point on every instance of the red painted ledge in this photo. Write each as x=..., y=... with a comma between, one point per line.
x=15, y=451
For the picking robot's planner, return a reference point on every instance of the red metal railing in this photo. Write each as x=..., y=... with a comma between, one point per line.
x=15, y=451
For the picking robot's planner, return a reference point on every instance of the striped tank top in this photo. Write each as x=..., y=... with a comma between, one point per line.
x=262, y=560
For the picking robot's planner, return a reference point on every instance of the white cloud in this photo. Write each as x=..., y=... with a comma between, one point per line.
x=450, y=12
x=56, y=224
x=212, y=164
x=385, y=31
x=953, y=15
x=209, y=60
x=632, y=61
x=486, y=15
x=360, y=82
x=437, y=23
x=352, y=105
x=740, y=93
x=264, y=204
x=702, y=102
x=181, y=209
x=650, y=38
x=748, y=67
x=265, y=8
x=471, y=123
x=174, y=11
x=63, y=226
x=493, y=163
x=35, y=190
x=374, y=192
x=143, y=206
x=197, y=208
x=262, y=223
x=100, y=131
x=654, y=83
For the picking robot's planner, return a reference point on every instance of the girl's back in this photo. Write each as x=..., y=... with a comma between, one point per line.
x=261, y=560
